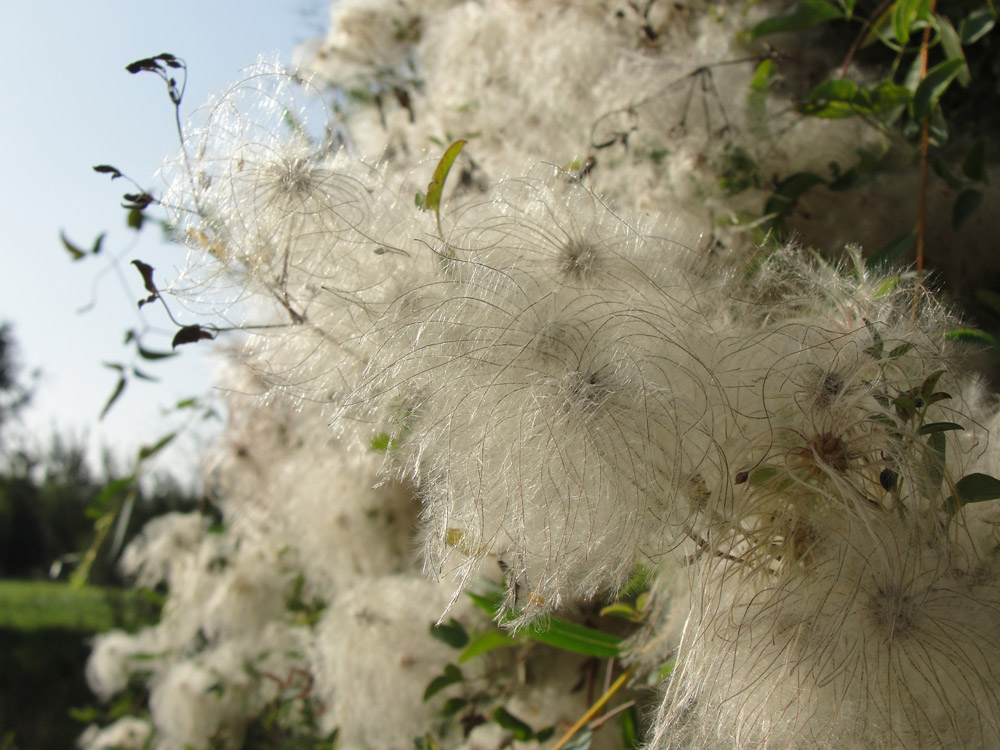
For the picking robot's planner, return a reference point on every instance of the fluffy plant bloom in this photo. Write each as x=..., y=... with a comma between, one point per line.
x=128, y=733
x=542, y=385
x=566, y=370
x=836, y=599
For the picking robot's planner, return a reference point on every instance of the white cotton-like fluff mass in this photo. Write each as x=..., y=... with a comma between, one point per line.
x=338, y=520
x=883, y=637
x=210, y=696
x=373, y=687
x=543, y=385
x=835, y=599
x=127, y=733
x=156, y=555
x=113, y=661
x=186, y=710
x=569, y=361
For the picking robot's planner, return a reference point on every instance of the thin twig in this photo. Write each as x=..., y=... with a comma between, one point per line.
x=592, y=711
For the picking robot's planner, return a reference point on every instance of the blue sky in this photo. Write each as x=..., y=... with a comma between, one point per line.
x=69, y=104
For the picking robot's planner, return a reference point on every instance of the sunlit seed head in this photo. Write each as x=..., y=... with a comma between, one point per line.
x=578, y=259
x=892, y=610
x=586, y=391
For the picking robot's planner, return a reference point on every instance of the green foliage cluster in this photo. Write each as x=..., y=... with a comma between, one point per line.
x=478, y=701
x=51, y=508
x=934, y=74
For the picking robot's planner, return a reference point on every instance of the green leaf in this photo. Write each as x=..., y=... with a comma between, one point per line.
x=522, y=731
x=973, y=336
x=806, y=14
x=544, y=735
x=974, y=164
x=75, y=251
x=976, y=25
x=115, y=394
x=629, y=723
x=557, y=633
x=151, y=355
x=878, y=30
x=943, y=170
x=972, y=488
x=382, y=442
x=757, y=97
x=452, y=633
x=623, y=610
x=144, y=375
x=965, y=205
x=933, y=427
x=419, y=743
x=450, y=676
x=135, y=219
x=85, y=715
x=905, y=406
x=111, y=491
x=489, y=603
x=579, y=639
x=932, y=88
x=762, y=475
x=762, y=76
x=452, y=706
x=840, y=97
x=833, y=99
x=953, y=48
x=929, y=384
x=432, y=202
x=899, y=351
x=905, y=12
x=488, y=641
x=148, y=451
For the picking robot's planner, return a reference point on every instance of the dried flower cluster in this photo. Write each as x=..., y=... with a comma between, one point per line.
x=570, y=371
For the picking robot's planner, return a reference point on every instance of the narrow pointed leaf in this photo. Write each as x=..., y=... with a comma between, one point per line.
x=450, y=676
x=953, y=48
x=148, y=451
x=803, y=15
x=451, y=633
x=190, y=335
x=932, y=427
x=73, y=250
x=932, y=88
x=973, y=488
x=522, y=731
x=488, y=641
x=115, y=394
x=432, y=201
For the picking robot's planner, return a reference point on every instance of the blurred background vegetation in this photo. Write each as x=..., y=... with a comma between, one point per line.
x=62, y=527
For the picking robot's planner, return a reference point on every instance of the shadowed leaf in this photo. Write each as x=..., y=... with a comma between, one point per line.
x=115, y=394
x=190, y=335
x=803, y=15
x=932, y=88
x=452, y=633
x=75, y=251
x=108, y=169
